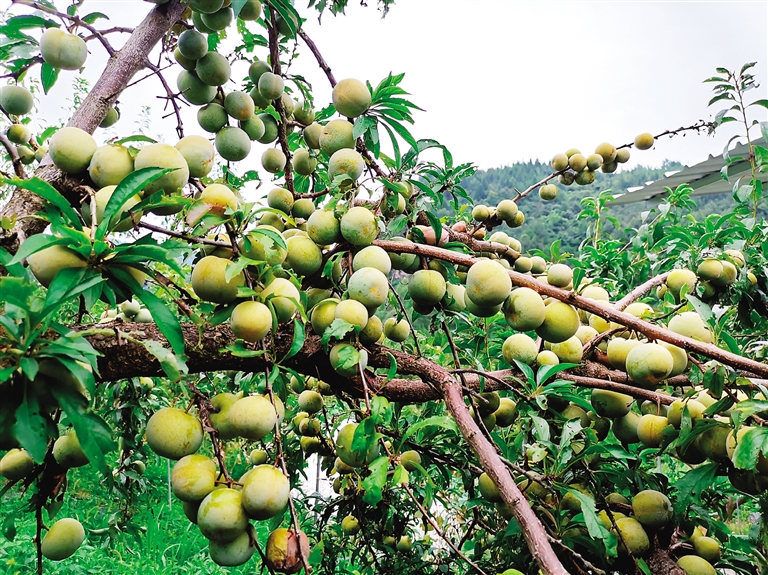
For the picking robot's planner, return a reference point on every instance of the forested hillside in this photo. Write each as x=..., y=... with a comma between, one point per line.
x=546, y=222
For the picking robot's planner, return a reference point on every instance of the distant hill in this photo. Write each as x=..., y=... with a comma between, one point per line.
x=546, y=222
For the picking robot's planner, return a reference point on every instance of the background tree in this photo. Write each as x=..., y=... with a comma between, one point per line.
x=533, y=415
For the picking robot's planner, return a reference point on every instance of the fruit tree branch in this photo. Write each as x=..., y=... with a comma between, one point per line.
x=650, y=330
x=640, y=291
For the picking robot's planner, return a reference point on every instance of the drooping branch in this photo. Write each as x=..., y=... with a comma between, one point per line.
x=13, y=153
x=648, y=329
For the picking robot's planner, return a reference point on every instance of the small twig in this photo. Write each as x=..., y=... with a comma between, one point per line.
x=440, y=532
x=640, y=291
x=171, y=97
x=319, y=57
x=405, y=314
x=282, y=136
x=186, y=237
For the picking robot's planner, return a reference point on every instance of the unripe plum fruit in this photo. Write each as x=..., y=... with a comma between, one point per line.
x=346, y=161
x=236, y=552
x=62, y=50
x=652, y=508
x=426, y=287
x=193, y=477
x=358, y=226
x=209, y=281
x=617, y=351
x=48, y=262
x=221, y=516
x=16, y=464
x=173, y=433
x=695, y=565
x=304, y=255
x=193, y=89
x=610, y=403
x=548, y=192
x=163, y=156
x=273, y=160
x=568, y=351
x=635, y=539
x=206, y=6
x=560, y=275
x=561, y=321
x=303, y=113
x=397, y=331
x=559, y=162
x=373, y=257
x=67, y=451
x=63, y=538
x=335, y=135
x=192, y=44
x=265, y=492
x=607, y=151
x=199, y=154
x=369, y=286
x=303, y=163
x=323, y=315
x=19, y=134
x=506, y=413
x=690, y=324
x=251, y=321
x=233, y=143
x=650, y=428
x=644, y=141
x=696, y=411
x=323, y=227
x=280, y=199
x=271, y=86
x=577, y=162
x=520, y=347
x=524, y=309
x=353, y=312
x=16, y=100
x=344, y=448
x=109, y=165
x=213, y=117
x=488, y=283
x=213, y=69
x=71, y=149
x=351, y=97
x=350, y=525
x=622, y=156
x=283, y=292
x=253, y=417
x=648, y=364
x=312, y=135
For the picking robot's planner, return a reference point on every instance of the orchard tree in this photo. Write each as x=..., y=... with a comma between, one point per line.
x=477, y=408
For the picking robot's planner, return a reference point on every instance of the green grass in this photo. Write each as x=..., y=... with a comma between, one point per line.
x=157, y=540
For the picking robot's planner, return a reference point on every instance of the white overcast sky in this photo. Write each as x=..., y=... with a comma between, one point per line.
x=506, y=81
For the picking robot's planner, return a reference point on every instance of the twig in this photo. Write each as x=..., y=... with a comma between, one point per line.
x=282, y=136
x=428, y=516
x=319, y=57
x=405, y=314
x=171, y=97
x=186, y=237
x=640, y=291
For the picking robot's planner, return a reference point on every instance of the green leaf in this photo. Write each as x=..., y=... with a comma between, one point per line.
x=93, y=16
x=400, y=476
x=434, y=222
x=48, y=76
x=299, y=335
x=375, y=482
x=35, y=244
x=237, y=6
x=693, y=484
x=69, y=283
x=337, y=330
x=47, y=192
x=763, y=103
x=31, y=427
x=442, y=421
x=749, y=447
x=701, y=308
x=137, y=138
x=128, y=187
